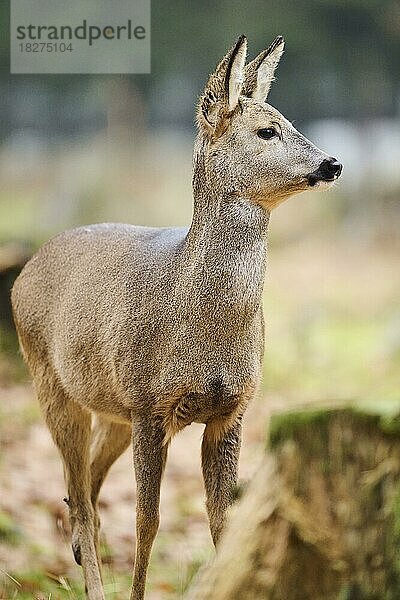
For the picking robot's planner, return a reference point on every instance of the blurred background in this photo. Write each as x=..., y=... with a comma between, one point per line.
x=83, y=149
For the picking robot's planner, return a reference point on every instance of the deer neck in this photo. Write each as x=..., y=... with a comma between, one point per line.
x=225, y=254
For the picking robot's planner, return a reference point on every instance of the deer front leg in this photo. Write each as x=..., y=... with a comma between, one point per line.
x=149, y=456
x=219, y=460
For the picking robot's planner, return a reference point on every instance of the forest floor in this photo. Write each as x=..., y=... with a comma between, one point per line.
x=334, y=337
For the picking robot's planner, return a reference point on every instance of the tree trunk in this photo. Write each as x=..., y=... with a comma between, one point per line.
x=320, y=520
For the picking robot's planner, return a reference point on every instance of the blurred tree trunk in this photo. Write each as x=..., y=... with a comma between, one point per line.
x=320, y=520
x=13, y=257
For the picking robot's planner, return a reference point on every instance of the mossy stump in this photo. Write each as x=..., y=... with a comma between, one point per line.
x=320, y=520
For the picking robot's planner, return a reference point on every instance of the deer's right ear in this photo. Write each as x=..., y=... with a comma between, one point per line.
x=223, y=88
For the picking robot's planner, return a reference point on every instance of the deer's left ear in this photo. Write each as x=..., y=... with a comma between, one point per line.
x=224, y=86
x=259, y=73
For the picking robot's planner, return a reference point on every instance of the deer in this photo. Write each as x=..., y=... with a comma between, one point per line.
x=133, y=333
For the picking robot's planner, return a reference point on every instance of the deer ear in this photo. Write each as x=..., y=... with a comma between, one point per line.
x=224, y=86
x=259, y=73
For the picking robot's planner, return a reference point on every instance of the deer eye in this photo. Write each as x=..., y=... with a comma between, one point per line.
x=267, y=134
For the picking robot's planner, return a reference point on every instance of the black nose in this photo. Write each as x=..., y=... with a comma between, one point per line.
x=329, y=169
x=334, y=166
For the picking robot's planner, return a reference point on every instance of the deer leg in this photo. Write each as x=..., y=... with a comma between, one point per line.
x=219, y=461
x=70, y=427
x=109, y=440
x=149, y=457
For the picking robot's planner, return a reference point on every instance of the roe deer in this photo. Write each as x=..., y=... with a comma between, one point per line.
x=151, y=329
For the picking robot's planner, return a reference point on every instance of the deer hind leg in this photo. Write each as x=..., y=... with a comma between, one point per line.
x=70, y=427
x=219, y=461
x=149, y=457
x=109, y=440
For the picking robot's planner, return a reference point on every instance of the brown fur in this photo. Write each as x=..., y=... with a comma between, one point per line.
x=133, y=333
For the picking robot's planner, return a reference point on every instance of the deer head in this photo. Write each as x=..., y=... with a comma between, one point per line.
x=247, y=148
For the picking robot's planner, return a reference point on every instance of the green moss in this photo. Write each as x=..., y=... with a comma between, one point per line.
x=285, y=426
x=288, y=426
x=386, y=414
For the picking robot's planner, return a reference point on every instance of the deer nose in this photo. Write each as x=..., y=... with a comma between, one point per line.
x=334, y=167
x=329, y=169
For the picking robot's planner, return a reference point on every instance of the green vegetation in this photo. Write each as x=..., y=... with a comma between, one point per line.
x=40, y=586
x=316, y=353
x=10, y=533
x=12, y=367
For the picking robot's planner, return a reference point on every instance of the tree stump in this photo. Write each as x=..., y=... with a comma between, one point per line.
x=321, y=519
x=13, y=257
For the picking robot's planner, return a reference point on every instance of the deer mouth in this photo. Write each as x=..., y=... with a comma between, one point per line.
x=314, y=180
